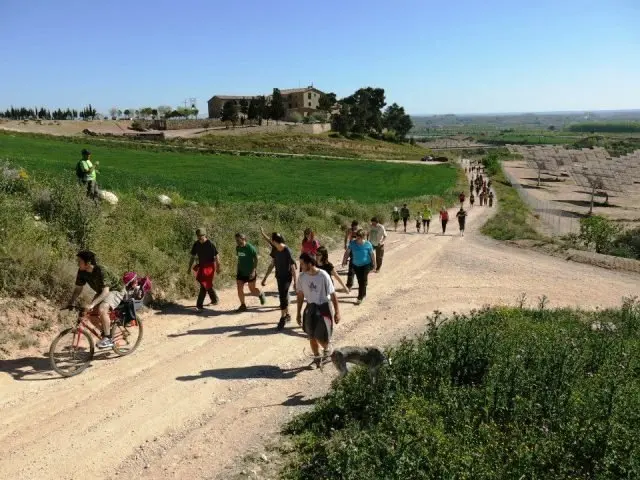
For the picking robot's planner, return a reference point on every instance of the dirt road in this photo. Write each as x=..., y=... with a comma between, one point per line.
x=203, y=390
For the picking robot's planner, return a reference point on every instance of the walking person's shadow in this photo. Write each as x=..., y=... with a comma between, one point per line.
x=247, y=330
x=244, y=373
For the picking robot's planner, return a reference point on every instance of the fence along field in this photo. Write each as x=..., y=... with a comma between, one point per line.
x=221, y=178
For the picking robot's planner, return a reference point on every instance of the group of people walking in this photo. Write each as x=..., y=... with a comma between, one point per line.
x=482, y=187
x=424, y=217
x=364, y=253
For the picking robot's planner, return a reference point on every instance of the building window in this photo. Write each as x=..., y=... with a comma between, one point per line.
x=309, y=103
x=309, y=95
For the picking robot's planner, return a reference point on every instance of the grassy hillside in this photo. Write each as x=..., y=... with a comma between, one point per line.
x=223, y=178
x=502, y=394
x=323, y=144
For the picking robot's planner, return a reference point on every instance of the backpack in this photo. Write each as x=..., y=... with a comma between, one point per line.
x=79, y=170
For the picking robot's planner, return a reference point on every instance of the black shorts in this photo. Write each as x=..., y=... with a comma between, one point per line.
x=246, y=279
x=318, y=322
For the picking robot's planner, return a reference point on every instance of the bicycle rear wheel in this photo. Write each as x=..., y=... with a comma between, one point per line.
x=126, y=338
x=71, y=352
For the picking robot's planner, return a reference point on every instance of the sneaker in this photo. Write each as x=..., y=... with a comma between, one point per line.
x=106, y=342
x=241, y=308
x=215, y=300
x=263, y=299
x=281, y=324
x=358, y=301
x=287, y=318
x=326, y=353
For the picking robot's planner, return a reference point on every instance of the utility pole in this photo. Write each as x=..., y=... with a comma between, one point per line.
x=190, y=103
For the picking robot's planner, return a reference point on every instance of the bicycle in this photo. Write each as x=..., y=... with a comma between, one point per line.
x=72, y=350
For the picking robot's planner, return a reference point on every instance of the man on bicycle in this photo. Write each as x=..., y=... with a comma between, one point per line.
x=89, y=273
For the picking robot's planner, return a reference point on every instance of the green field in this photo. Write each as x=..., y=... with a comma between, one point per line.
x=225, y=178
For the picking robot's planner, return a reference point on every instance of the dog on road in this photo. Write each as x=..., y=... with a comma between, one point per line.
x=371, y=357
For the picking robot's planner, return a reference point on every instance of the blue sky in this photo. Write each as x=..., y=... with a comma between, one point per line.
x=464, y=56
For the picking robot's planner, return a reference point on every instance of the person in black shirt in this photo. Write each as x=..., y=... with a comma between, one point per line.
x=89, y=273
x=270, y=267
x=285, y=267
x=404, y=213
x=208, y=264
x=350, y=235
x=322, y=258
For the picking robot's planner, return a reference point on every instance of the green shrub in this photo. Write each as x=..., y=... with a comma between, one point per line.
x=500, y=394
x=138, y=126
x=294, y=117
x=628, y=244
x=319, y=117
x=598, y=232
x=389, y=136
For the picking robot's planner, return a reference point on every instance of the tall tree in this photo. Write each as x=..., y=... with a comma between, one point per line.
x=276, y=108
x=327, y=102
x=262, y=109
x=113, y=112
x=146, y=112
x=342, y=121
x=361, y=112
x=244, y=106
x=163, y=110
x=230, y=112
x=127, y=113
x=252, y=110
x=88, y=113
x=396, y=119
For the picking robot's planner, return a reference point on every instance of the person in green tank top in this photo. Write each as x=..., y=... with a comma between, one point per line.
x=426, y=219
x=247, y=265
x=90, y=174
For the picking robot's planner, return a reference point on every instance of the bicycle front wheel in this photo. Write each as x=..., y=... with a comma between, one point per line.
x=126, y=338
x=71, y=352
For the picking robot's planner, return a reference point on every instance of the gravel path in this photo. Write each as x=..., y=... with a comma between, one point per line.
x=203, y=390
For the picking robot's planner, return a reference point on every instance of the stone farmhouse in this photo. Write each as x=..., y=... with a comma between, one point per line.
x=302, y=100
